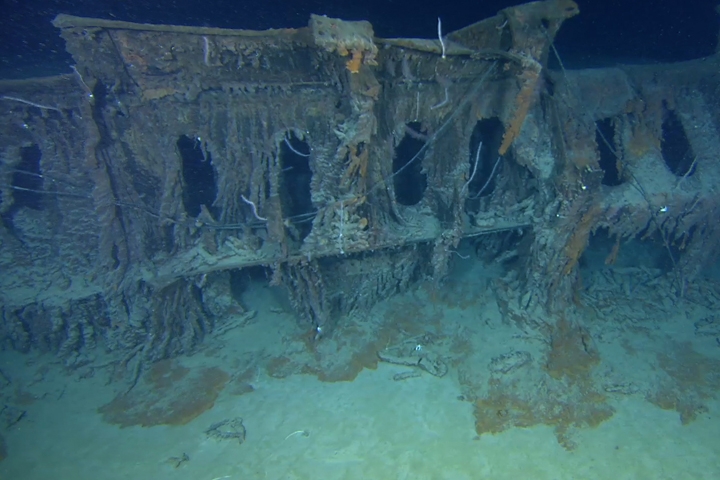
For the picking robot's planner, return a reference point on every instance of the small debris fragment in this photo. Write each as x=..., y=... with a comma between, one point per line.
x=227, y=430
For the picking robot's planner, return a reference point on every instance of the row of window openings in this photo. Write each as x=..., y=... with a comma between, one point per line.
x=675, y=149
x=409, y=179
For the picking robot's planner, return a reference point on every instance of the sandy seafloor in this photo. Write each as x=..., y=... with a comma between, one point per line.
x=374, y=427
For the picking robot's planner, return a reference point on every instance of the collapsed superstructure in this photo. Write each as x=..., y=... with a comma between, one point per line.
x=136, y=191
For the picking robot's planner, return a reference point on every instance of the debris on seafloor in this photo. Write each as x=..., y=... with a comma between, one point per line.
x=228, y=429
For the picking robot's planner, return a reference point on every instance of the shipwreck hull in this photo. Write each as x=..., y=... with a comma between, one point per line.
x=349, y=167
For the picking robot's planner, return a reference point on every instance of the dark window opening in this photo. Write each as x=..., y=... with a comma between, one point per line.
x=198, y=176
x=409, y=179
x=675, y=146
x=609, y=161
x=27, y=181
x=484, y=163
x=295, y=180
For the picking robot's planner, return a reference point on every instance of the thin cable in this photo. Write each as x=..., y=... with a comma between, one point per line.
x=492, y=174
x=474, y=170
